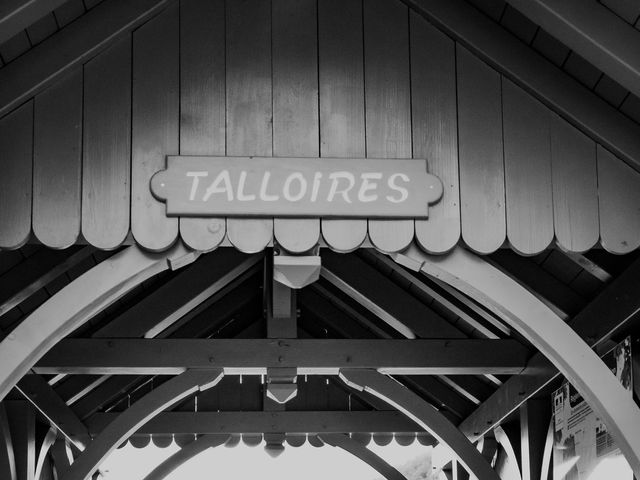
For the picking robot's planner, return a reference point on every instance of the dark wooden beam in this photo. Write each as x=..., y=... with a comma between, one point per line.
x=52, y=407
x=181, y=295
x=611, y=311
x=592, y=30
x=227, y=422
x=35, y=272
x=71, y=47
x=310, y=356
x=530, y=70
x=22, y=423
x=17, y=15
x=384, y=298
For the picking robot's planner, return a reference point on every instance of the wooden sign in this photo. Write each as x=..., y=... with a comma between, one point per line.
x=296, y=187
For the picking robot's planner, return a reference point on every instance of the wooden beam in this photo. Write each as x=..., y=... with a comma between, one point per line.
x=385, y=299
x=35, y=272
x=295, y=422
x=22, y=423
x=7, y=459
x=363, y=453
x=180, y=295
x=309, y=356
x=17, y=15
x=414, y=407
x=547, y=332
x=185, y=454
x=71, y=47
x=137, y=415
x=534, y=421
x=46, y=400
x=76, y=303
x=610, y=312
x=43, y=453
x=539, y=76
x=592, y=30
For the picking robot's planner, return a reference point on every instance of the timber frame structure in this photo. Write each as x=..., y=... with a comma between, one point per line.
x=450, y=330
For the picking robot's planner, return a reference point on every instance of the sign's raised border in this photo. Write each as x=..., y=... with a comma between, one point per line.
x=199, y=186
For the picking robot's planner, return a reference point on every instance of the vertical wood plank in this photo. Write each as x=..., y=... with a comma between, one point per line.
x=295, y=104
x=527, y=166
x=154, y=124
x=480, y=154
x=435, y=130
x=388, y=102
x=619, y=203
x=249, y=109
x=106, y=167
x=575, y=187
x=341, y=87
x=22, y=423
x=202, y=101
x=57, y=162
x=16, y=163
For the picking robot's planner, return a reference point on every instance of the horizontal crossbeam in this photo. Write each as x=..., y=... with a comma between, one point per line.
x=176, y=423
x=309, y=356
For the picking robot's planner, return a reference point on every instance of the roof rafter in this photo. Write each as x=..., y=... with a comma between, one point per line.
x=17, y=15
x=593, y=31
x=70, y=47
x=528, y=69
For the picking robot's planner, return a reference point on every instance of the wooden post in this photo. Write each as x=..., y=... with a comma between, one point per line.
x=534, y=420
x=22, y=424
x=7, y=459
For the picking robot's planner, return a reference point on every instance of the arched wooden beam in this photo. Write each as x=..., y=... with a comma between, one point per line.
x=185, y=454
x=423, y=414
x=76, y=303
x=509, y=467
x=138, y=414
x=363, y=453
x=45, y=446
x=555, y=339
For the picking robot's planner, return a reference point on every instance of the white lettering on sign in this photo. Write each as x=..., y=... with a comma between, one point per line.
x=252, y=186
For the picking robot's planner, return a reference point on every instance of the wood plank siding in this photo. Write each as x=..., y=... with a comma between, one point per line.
x=305, y=79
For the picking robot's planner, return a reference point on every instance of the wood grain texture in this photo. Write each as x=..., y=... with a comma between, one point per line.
x=481, y=156
x=57, y=162
x=106, y=164
x=341, y=86
x=527, y=168
x=249, y=108
x=16, y=162
x=155, y=116
x=202, y=102
x=435, y=130
x=388, y=102
x=295, y=103
x=619, y=203
x=575, y=187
